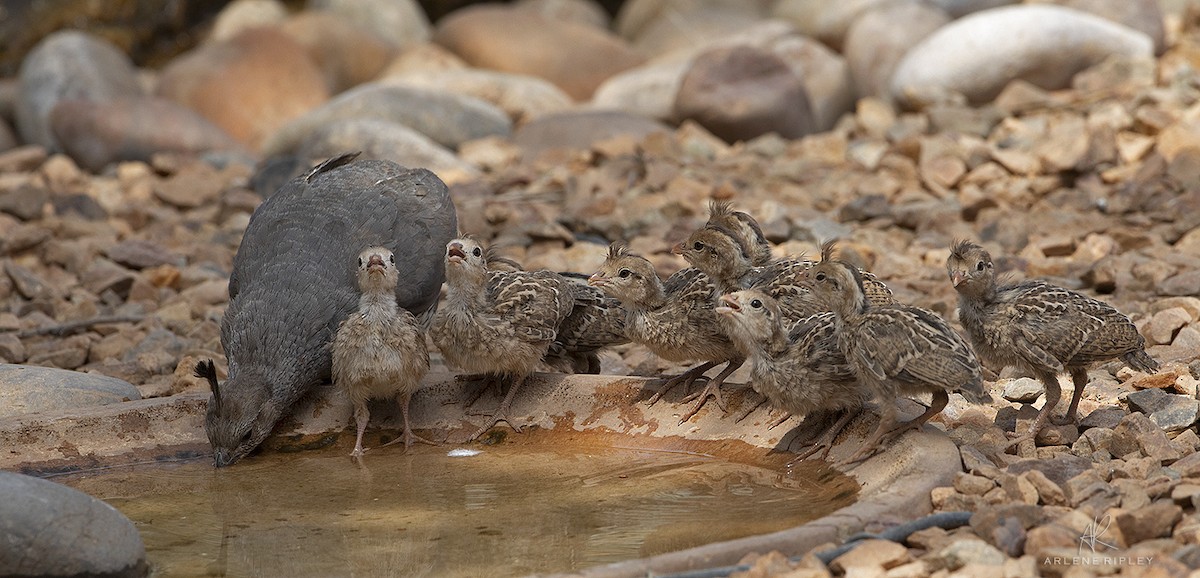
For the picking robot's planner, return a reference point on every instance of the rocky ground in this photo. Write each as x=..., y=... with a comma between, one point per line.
x=117, y=241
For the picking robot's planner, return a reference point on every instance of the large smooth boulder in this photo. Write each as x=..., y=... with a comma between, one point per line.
x=447, y=118
x=249, y=85
x=347, y=54
x=31, y=389
x=579, y=129
x=521, y=97
x=977, y=56
x=48, y=529
x=398, y=22
x=576, y=57
x=68, y=65
x=878, y=40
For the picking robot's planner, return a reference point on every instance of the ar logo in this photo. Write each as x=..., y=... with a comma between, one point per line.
x=1092, y=534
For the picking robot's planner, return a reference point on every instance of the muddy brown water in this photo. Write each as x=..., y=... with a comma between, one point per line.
x=552, y=504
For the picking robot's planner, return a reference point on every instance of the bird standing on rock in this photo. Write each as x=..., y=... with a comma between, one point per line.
x=802, y=370
x=291, y=284
x=676, y=320
x=379, y=350
x=894, y=349
x=730, y=248
x=1040, y=328
x=498, y=322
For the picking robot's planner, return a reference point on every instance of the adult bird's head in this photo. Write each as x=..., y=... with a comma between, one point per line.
x=238, y=418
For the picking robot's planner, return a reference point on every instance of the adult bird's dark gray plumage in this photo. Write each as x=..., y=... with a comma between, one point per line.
x=293, y=282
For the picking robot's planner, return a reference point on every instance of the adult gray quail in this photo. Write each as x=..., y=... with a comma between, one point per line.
x=293, y=282
x=379, y=350
x=1040, y=328
x=497, y=322
x=802, y=370
x=894, y=349
x=676, y=320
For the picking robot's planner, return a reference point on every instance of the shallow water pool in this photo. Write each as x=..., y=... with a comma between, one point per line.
x=511, y=509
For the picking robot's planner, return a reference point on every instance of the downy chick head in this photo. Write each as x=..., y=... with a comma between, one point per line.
x=377, y=271
x=835, y=283
x=627, y=277
x=745, y=227
x=239, y=418
x=970, y=268
x=465, y=261
x=751, y=318
x=716, y=251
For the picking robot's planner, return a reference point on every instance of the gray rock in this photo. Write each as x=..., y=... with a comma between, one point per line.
x=446, y=118
x=521, y=97
x=742, y=92
x=648, y=89
x=877, y=41
x=8, y=139
x=962, y=552
x=1152, y=521
x=1168, y=411
x=1059, y=469
x=49, y=529
x=68, y=65
x=687, y=29
x=11, y=349
x=140, y=254
x=399, y=22
x=825, y=20
x=825, y=74
x=29, y=389
x=383, y=140
x=980, y=54
x=579, y=129
x=131, y=128
x=1143, y=15
x=1092, y=440
x=1023, y=390
x=1137, y=432
x=1184, y=283
x=1103, y=417
x=960, y=8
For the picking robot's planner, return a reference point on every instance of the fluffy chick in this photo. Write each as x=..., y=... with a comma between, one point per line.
x=1040, y=328
x=802, y=371
x=379, y=350
x=497, y=322
x=894, y=349
x=675, y=320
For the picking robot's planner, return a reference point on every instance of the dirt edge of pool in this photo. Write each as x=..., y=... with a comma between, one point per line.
x=894, y=485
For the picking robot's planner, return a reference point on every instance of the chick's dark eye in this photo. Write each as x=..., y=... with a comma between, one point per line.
x=625, y=273
x=819, y=277
x=392, y=259
x=360, y=261
x=980, y=266
x=698, y=246
x=756, y=303
x=477, y=252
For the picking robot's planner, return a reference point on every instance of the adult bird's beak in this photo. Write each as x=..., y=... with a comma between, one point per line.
x=958, y=277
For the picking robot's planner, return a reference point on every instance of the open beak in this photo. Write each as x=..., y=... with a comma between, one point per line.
x=375, y=263
x=597, y=280
x=728, y=306
x=958, y=277
x=454, y=253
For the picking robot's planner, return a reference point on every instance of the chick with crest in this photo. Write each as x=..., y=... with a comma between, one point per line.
x=497, y=322
x=379, y=351
x=675, y=320
x=1039, y=328
x=800, y=370
x=731, y=249
x=894, y=349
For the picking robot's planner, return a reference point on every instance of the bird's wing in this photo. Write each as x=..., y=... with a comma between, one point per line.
x=1050, y=324
x=533, y=304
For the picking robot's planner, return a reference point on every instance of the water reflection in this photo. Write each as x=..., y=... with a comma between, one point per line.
x=507, y=511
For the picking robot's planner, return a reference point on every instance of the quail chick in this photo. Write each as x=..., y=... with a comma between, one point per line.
x=675, y=320
x=379, y=350
x=596, y=321
x=1039, y=328
x=802, y=371
x=894, y=349
x=731, y=249
x=497, y=322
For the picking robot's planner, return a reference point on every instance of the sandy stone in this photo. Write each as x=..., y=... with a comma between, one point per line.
x=871, y=554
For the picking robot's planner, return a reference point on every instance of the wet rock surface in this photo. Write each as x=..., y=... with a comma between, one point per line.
x=1075, y=165
x=52, y=530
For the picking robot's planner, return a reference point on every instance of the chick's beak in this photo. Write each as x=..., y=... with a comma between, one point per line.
x=729, y=305
x=375, y=262
x=958, y=277
x=454, y=253
x=597, y=280
x=677, y=248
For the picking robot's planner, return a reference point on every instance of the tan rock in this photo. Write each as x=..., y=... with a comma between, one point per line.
x=883, y=554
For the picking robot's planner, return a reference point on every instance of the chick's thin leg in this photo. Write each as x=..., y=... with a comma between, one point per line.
x=409, y=437
x=501, y=413
x=686, y=378
x=825, y=441
x=873, y=442
x=712, y=388
x=762, y=400
x=361, y=416
x=1079, y=378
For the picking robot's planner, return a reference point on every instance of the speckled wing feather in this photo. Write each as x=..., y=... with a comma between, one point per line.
x=915, y=347
x=595, y=321
x=532, y=304
x=1066, y=325
x=813, y=341
x=781, y=280
x=690, y=284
